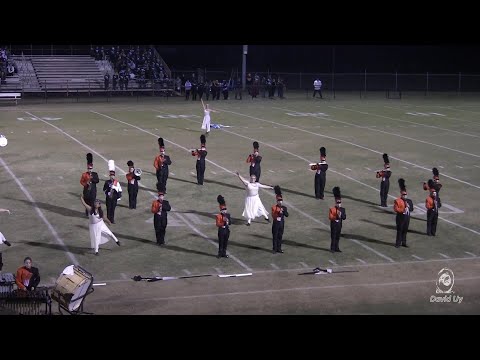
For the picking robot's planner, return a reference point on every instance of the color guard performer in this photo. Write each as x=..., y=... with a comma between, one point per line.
x=402, y=207
x=385, y=182
x=223, y=223
x=336, y=215
x=201, y=155
x=113, y=192
x=320, y=174
x=159, y=209
x=132, y=180
x=279, y=212
x=254, y=160
x=253, y=205
x=89, y=181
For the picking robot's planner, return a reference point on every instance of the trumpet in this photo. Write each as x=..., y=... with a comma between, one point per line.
x=137, y=172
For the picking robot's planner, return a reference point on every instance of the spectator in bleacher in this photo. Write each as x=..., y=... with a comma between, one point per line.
x=188, y=88
x=126, y=77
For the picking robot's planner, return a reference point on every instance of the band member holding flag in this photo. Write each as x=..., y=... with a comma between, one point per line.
x=253, y=205
x=320, y=174
x=223, y=223
x=279, y=212
x=159, y=208
x=89, y=181
x=201, y=155
x=385, y=182
x=113, y=192
x=132, y=180
x=336, y=215
x=402, y=207
x=254, y=160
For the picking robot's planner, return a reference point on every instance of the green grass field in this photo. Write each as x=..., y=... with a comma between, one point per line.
x=45, y=158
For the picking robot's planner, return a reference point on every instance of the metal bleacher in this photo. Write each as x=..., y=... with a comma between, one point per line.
x=61, y=73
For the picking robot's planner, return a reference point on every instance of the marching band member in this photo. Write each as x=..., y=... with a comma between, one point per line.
x=320, y=174
x=113, y=192
x=253, y=205
x=402, y=207
x=201, y=155
x=166, y=162
x=385, y=184
x=336, y=215
x=279, y=212
x=254, y=160
x=158, y=164
x=159, y=209
x=89, y=181
x=432, y=204
x=99, y=232
x=132, y=188
x=223, y=223
x=435, y=180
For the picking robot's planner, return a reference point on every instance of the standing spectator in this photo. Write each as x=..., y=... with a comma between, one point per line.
x=188, y=88
x=317, y=87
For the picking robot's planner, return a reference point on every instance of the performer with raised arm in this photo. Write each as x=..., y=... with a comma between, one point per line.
x=159, y=209
x=223, y=223
x=89, y=181
x=113, y=192
x=385, y=182
x=253, y=205
x=99, y=232
x=3, y=240
x=132, y=178
x=279, y=212
x=201, y=154
x=206, y=118
x=254, y=159
x=434, y=182
x=320, y=169
x=336, y=215
x=402, y=207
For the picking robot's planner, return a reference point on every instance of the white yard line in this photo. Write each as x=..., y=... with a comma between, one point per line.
x=469, y=253
x=444, y=256
x=417, y=257
x=274, y=266
x=360, y=260
x=303, y=264
x=39, y=212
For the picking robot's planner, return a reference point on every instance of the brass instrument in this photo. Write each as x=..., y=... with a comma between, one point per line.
x=137, y=172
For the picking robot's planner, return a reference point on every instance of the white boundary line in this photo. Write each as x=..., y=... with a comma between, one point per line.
x=267, y=291
x=39, y=212
x=406, y=121
x=122, y=171
x=385, y=132
x=349, y=143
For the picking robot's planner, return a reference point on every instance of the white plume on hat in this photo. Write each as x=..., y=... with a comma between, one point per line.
x=111, y=165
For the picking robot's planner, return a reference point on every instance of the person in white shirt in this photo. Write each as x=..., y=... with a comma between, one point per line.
x=317, y=87
x=253, y=205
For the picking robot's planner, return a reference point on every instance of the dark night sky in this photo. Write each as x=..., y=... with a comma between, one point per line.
x=319, y=58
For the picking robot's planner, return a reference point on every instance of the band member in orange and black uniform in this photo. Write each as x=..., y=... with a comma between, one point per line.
x=336, y=215
x=279, y=212
x=132, y=188
x=432, y=204
x=113, y=192
x=385, y=184
x=321, y=174
x=201, y=155
x=402, y=207
x=89, y=181
x=158, y=163
x=254, y=160
x=166, y=162
x=223, y=223
x=436, y=182
x=159, y=209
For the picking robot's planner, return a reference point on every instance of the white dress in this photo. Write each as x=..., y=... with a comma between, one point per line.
x=253, y=205
x=2, y=238
x=99, y=232
x=206, y=120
